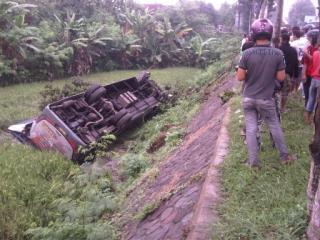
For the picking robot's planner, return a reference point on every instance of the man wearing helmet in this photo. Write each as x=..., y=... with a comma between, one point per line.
x=259, y=67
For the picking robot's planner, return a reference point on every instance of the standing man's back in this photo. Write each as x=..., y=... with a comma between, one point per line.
x=262, y=63
x=259, y=67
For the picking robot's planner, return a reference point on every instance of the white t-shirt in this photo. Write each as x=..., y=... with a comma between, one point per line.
x=244, y=40
x=300, y=44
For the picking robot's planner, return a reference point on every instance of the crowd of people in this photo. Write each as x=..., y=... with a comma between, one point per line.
x=298, y=46
x=266, y=69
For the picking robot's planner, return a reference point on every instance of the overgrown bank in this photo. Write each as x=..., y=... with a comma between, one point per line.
x=269, y=203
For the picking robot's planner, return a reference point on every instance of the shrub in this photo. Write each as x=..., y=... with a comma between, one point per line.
x=84, y=204
x=51, y=94
x=133, y=164
x=100, y=231
x=99, y=148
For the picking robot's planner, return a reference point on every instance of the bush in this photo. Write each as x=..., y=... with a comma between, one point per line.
x=51, y=94
x=133, y=164
x=85, y=203
x=100, y=231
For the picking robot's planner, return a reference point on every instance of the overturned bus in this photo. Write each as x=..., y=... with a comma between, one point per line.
x=79, y=120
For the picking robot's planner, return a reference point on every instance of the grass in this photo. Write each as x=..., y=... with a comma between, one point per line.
x=43, y=193
x=269, y=203
x=20, y=102
x=38, y=188
x=27, y=188
x=66, y=203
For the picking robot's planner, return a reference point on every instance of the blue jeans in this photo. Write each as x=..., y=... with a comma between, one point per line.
x=267, y=109
x=315, y=83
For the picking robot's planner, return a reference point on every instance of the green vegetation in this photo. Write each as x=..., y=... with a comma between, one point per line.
x=46, y=40
x=50, y=196
x=269, y=203
x=68, y=204
x=30, y=181
x=21, y=102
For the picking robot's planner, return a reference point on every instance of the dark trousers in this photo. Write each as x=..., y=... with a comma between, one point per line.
x=306, y=87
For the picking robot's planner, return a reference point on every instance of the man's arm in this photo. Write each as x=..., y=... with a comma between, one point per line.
x=241, y=74
x=281, y=69
x=295, y=64
x=281, y=75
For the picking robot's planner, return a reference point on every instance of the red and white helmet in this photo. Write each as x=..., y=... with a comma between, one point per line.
x=261, y=28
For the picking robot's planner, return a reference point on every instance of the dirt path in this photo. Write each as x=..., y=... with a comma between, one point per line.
x=178, y=203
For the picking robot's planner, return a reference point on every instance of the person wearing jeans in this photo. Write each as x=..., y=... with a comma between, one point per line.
x=267, y=110
x=315, y=83
x=312, y=37
x=259, y=67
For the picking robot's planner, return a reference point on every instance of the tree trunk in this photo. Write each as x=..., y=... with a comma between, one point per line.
x=270, y=8
x=313, y=192
x=263, y=9
x=278, y=22
x=257, y=8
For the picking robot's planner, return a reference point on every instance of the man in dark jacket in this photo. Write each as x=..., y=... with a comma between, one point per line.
x=292, y=67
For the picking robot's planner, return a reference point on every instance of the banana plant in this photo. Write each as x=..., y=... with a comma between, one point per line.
x=71, y=28
x=173, y=37
x=17, y=37
x=204, y=50
x=87, y=41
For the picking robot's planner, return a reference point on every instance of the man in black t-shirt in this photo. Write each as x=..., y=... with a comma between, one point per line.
x=259, y=67
x=292, y=67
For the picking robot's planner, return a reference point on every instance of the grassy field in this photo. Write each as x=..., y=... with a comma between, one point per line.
x=20, y=102
x=269, y=203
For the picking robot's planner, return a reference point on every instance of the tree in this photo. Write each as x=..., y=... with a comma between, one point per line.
x=17, y=38
x=199, y=15
x=271, y=8
x=299, y=10
x=278, y=22
x=247, y=11
x=226, y=15
x=263, y=9
x=313, y=231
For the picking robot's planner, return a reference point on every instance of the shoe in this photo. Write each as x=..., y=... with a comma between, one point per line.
x=255, y=166
x=243, y=131
x=307, y=117
x=289, y=159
